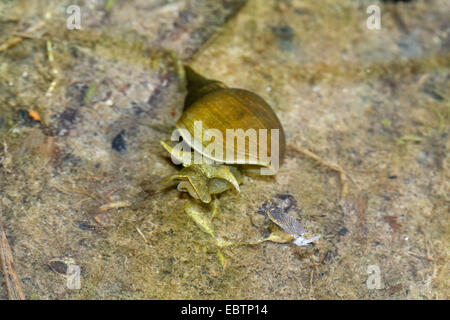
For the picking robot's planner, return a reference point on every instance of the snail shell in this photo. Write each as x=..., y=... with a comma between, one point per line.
x=222, y=108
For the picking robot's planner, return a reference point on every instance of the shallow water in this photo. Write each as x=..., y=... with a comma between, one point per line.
x=375, y=102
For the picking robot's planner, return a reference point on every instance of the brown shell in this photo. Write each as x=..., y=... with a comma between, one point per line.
x=221, y=108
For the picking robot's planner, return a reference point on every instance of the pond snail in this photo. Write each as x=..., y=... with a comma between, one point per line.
x=212, y=110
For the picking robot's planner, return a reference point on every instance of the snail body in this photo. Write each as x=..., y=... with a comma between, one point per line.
x=211, y=112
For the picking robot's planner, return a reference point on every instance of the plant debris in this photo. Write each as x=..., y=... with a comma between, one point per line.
x=12, y=281
x=278, y=210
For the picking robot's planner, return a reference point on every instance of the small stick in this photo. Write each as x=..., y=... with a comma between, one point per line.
x=51, y=60
x=70, y=190
x=12, y=281
x=110, y=193
x=419, y=256
x=11, y=43
x=342, y=175
x=141, y=234
x=18, y=37
x=113, y=205
x=26, y=36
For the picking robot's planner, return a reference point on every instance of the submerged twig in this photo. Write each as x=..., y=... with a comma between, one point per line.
x=54, y=71
x=342, y=174
x=6, y=260
x=18, y=37
x=71, y=190
x=141, y=234
x=113, y=205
